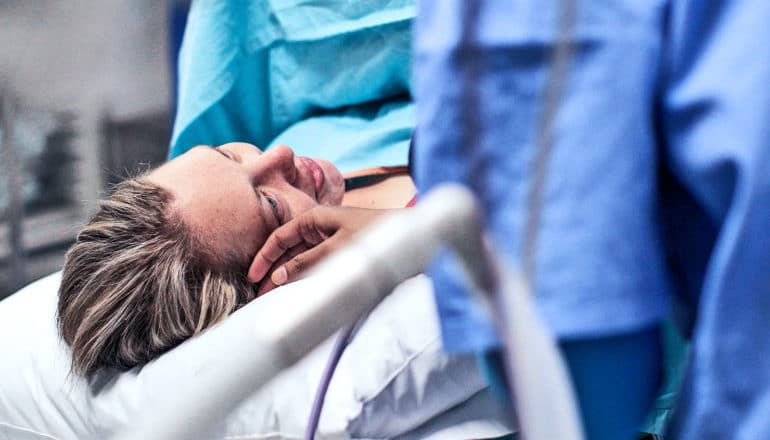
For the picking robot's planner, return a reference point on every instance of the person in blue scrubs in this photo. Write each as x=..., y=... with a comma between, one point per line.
x=656, y=194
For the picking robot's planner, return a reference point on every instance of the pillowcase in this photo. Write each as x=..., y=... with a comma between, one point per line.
x=392, y=378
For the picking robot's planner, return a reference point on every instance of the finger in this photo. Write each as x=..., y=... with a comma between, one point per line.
x=296, y=267
x=310, y=228
x=277, y=244
x=267, y=284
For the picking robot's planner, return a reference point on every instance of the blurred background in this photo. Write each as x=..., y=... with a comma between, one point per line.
x=86, y=98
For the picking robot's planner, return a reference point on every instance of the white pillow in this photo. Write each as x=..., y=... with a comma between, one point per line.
x=391, y=379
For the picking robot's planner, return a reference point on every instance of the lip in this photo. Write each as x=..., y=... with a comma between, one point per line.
x=316, y=172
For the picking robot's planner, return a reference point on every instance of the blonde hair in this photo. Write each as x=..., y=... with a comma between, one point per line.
x=138, y=282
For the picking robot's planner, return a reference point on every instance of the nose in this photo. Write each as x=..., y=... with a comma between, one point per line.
x=276, y=161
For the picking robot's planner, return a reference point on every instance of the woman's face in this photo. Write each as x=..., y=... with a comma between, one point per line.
x=236, y=195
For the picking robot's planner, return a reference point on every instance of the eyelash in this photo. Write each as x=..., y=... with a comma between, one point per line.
x=229, y=155
x=273, y=205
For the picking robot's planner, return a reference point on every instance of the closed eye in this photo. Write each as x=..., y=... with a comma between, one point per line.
x=228, y=154
x=274, y=206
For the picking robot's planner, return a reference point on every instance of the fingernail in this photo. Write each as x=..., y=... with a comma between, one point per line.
x=279, y=276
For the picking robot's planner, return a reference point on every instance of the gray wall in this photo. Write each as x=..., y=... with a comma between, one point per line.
x=105, y=64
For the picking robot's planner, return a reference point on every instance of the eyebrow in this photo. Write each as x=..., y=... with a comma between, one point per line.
x=217, y=150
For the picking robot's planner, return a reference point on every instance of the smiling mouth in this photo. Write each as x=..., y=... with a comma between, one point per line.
x=316, y=172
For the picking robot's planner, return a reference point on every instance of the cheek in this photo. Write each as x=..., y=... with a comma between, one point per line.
x=300, y=202
x=240, y=234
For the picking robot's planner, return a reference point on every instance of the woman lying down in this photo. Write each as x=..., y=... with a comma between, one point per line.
x=173, y=251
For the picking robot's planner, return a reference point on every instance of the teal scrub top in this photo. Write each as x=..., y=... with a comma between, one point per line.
x=330, y=79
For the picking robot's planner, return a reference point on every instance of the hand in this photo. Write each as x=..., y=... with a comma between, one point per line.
x=300, y=243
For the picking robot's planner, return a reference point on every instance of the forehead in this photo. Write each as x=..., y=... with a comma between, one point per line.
x=215, y=198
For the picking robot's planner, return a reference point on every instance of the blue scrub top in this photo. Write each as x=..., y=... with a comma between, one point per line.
x=657, y=191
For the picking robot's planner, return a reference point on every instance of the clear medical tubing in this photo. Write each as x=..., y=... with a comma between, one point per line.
x=342, y=341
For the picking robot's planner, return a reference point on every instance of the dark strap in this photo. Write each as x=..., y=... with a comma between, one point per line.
x=377, y=175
